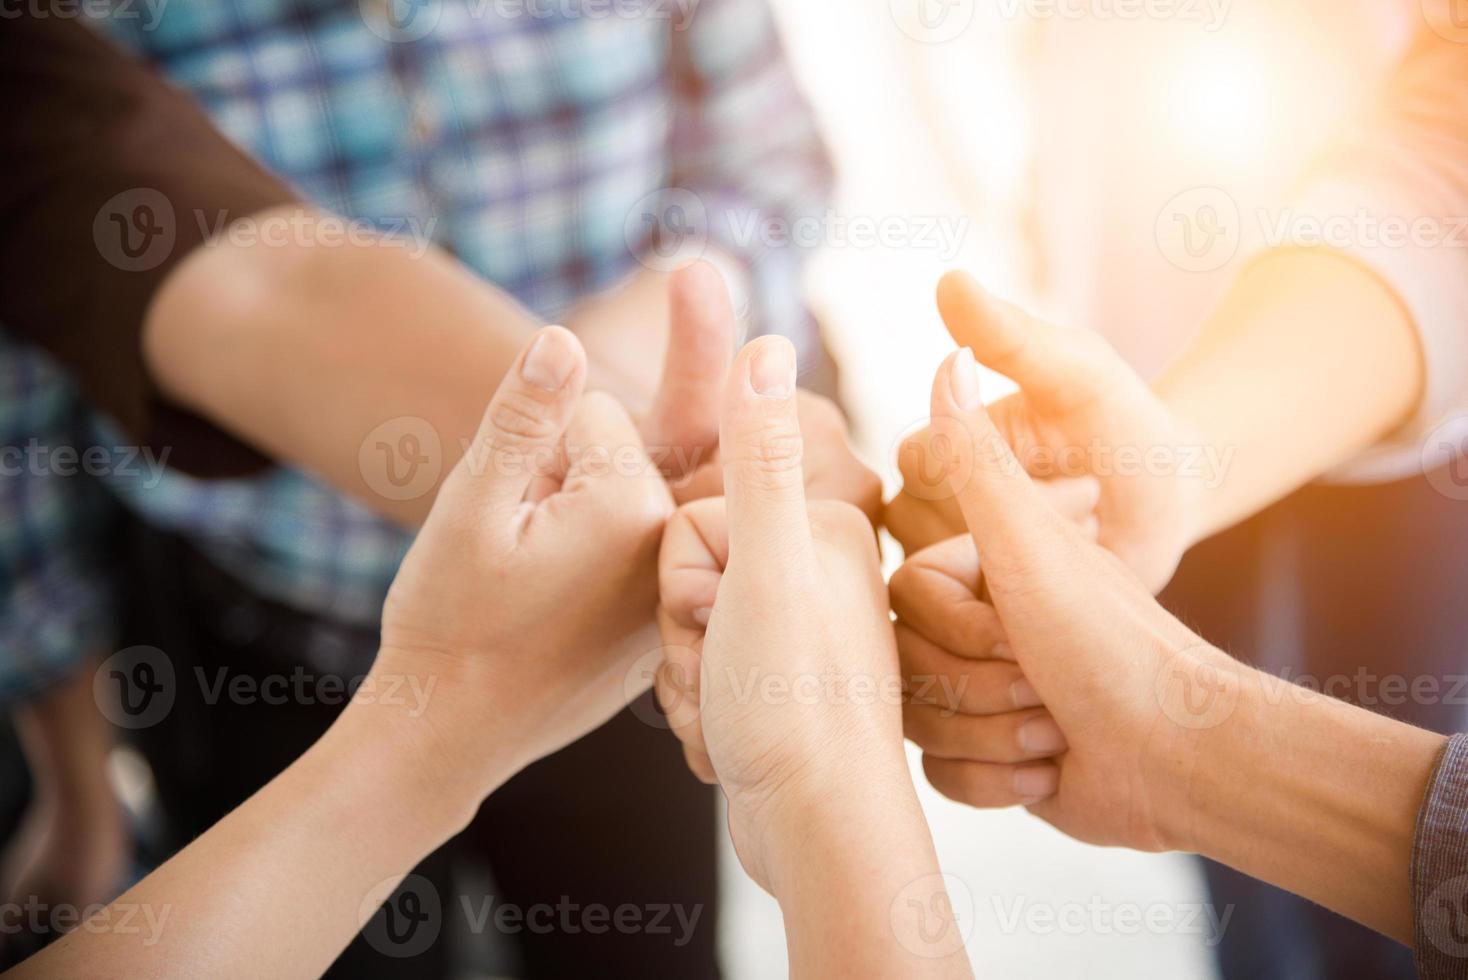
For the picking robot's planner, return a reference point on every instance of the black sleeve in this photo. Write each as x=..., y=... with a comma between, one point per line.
x=109, y=177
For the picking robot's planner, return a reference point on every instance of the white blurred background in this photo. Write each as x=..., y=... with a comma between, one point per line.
x=1067, y=139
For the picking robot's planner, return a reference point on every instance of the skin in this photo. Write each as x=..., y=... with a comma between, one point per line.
x=764, y=596
x=495, y=607
x=1166, y=743
x=304, y=351
x=1306, y=336
x=73, y=846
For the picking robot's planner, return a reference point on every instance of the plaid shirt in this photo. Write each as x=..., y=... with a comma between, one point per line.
x=56, y=603
x=548, y=151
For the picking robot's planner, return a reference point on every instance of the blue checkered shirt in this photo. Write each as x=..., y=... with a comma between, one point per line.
x=56, y=601
x=522, y=138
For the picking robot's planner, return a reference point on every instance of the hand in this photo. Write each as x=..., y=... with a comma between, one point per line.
x=767, y=589
x=781, y=679
x=526, y=593
x=832, y=470
x=1118, y=675
x=1081, y=411
x=680, y=424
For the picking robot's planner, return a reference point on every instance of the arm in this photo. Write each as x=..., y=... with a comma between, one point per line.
x=1318, y=357
x=765, y=589
x=300, y=339
x=477, y=619
x=1310, y=361
x=1162, y=741
x=1296, y=781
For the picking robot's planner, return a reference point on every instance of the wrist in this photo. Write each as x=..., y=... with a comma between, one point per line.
x=416, y=759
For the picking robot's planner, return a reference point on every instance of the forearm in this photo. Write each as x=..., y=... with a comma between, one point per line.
x=305, y=349
x=863, y=895
x=1311, y=794
x=66, y=742
x=281, y=885
x=1310, y=360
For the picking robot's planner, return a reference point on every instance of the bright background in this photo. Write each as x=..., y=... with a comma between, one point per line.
x=1065, y=141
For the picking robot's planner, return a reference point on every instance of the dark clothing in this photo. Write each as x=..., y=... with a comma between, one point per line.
x=109, y=178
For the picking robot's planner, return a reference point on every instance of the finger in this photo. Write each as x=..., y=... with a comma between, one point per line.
x=760, y=444
x=1018, y=736
x=683, y=426
x=919, y=524
x=986, y=785
x=1072, y=497
x=524, y=423
x=691, y=565
x=1057, y=367
x=1014, y=529
x=678, y=690
x=933, y=676
x=934, y=594
x=605, y=450
x=700, y=765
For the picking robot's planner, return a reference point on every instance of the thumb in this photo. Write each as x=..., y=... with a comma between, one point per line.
x=1058, y=368
x=760, y=444
x=1011, y=523
x=683, y=425
x=520, y=435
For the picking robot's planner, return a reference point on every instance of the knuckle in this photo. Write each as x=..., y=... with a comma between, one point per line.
x=774, y=459
x=519, y=417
